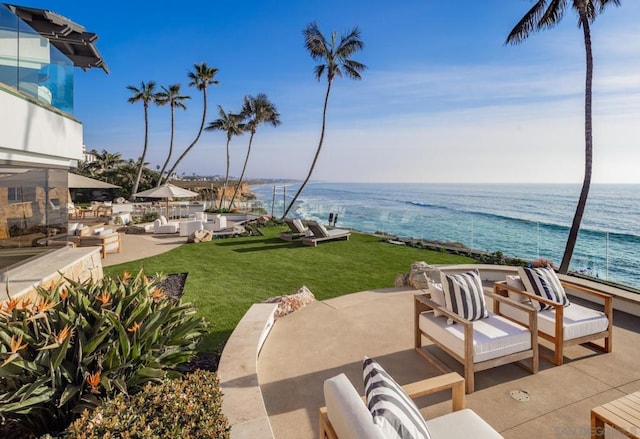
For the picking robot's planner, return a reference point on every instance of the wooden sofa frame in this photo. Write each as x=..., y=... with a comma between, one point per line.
x=502, y=289
x=425, y=304
x=415, y=390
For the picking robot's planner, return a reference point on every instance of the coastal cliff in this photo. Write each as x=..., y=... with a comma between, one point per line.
x=213, y=190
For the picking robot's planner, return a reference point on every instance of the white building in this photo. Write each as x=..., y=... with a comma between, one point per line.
x=40, y=138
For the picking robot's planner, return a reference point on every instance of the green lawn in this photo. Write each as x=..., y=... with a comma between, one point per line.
x=226, y=276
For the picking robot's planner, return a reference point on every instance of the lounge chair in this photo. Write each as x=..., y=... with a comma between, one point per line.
x=296, y=231
x=561, y=322
x=389, y=406
x=320, y=233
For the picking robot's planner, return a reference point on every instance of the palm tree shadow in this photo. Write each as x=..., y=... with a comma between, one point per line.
x=259, y=244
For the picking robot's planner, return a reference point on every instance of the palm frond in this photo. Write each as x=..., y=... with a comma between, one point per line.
x=527, y=24
x=553, y=14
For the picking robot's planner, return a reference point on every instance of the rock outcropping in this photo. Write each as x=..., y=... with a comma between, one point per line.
x=292, y=302
x=419, y=277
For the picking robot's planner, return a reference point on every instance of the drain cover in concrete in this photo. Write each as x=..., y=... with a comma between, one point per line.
x=520, y=395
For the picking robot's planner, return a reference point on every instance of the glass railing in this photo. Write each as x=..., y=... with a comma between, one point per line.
x=29, y=63
x=599, y=254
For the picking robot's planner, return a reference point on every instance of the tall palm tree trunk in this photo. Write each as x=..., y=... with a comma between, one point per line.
x=588, y=149
x=315, y=158
x=226, y=176
x=136, y=183
x=186, y=151
x=166, y=162
x=246, y=160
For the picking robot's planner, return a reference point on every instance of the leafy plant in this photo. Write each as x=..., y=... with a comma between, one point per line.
x=150, y=217
x=181, y=408
x=79, y=342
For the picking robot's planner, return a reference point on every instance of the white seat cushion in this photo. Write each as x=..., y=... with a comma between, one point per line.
x=493, y=337
x=347, y=412
x=462, y=424
x=578, y=320
x=188, y=227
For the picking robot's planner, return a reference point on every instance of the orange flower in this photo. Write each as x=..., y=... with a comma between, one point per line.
x=126, y=276
x=134, y=327
x=158, y=295
x=64, y=293
x=11, y=304
x=105, y=298
x=16, y=344
x=45, y=305
x=93, y=379
x=66, y=331
x=26, y=302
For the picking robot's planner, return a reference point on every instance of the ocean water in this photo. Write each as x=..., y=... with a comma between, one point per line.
x=528, y=221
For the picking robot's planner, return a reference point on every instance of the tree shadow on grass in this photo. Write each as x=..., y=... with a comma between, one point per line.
x=261, y=244
x=277, y=246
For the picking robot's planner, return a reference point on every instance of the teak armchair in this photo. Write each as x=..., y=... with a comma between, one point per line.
x=477, y=345
x=581, y=326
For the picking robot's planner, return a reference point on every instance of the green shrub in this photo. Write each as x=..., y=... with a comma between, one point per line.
x=179, y=408
x=149, y=217
x=79, y=342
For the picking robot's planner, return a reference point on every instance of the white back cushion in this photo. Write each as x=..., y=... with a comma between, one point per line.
x=515, y=282
x=347, y=413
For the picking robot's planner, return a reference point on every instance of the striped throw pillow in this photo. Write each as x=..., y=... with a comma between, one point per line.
x=463, y=295
x=392, y=409
x=543, y=282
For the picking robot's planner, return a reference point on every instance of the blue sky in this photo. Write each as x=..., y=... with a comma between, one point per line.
x=443, y=99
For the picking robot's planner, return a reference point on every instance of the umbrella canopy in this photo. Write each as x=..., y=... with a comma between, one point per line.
x=167, y=191
x=35, y=177
x=78, y=181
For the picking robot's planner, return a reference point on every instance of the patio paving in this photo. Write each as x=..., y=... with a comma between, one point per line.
x=333, y=336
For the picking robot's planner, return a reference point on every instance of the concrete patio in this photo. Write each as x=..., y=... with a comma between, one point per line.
x=333, y=336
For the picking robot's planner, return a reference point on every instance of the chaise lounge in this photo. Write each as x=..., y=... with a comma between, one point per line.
x=320, y=233
x=388, y=408
x=296, y=231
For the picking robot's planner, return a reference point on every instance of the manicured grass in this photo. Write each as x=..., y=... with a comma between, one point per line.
x=226, y=276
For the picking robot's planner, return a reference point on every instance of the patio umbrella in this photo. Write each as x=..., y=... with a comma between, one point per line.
x=78, y=181
x=35, y=177
x=167, y=191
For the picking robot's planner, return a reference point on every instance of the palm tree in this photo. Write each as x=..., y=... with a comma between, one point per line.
x=145, y=94
x=201, y=78
x=543, y=15
x=175, y=100
x=233, y=126
x=335, y=60
x=256, y=110
x=103, y=162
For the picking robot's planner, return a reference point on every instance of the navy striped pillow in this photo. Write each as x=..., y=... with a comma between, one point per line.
x=544, y=282
x=463, y=295
x=392, y=409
